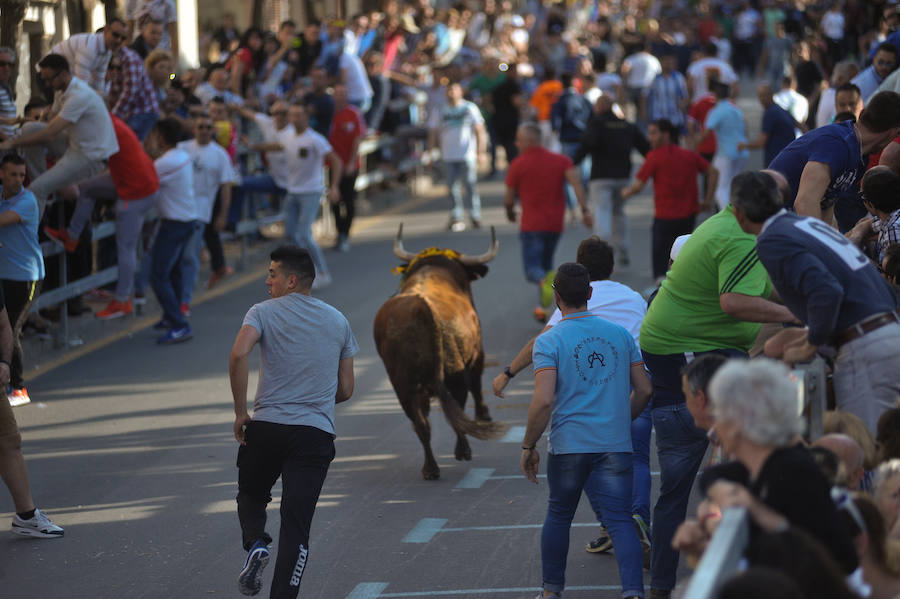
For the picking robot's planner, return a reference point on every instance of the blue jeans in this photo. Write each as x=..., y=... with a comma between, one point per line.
x=640, y=442
x=172, y=240
x=253, y=184
x=680, y=447
x=462, y=175
x=584, y=169
x=190, y=264
x=606, y=479
x=537, y=253
x=300, y=211
x=141, y=124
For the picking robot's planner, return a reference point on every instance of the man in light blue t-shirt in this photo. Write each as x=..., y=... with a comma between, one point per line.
x=585, y=370
x=306, y=351
x=21, y=261
x=727, y=121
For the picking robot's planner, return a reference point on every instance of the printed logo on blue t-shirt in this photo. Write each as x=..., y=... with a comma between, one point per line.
x=596, y=360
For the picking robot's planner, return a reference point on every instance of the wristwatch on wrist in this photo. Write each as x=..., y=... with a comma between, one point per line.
x=508, y=372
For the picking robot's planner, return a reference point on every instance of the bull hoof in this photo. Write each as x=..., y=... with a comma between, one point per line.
x=463, y=452
x=483, y=415
x=431, y=473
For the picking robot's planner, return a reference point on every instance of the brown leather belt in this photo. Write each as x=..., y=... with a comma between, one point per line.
x=867, y=326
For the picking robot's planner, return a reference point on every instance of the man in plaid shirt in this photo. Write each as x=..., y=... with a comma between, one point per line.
x=879, y=196
x=131, y=93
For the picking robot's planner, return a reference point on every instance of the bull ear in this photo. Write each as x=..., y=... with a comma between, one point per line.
x=477, y=271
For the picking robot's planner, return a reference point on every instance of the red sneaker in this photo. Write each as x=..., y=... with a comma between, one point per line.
x=62, y=236
x=115, y=309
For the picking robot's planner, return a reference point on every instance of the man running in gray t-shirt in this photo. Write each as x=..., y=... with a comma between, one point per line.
x=306, y=366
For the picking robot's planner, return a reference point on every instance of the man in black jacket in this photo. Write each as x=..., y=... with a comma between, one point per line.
x=609, y=141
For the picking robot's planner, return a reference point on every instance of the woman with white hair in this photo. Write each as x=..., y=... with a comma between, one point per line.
x=757, y=419
x=886, y=492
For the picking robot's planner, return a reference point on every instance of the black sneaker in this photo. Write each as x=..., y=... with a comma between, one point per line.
x=601, y=544
x=250, y=578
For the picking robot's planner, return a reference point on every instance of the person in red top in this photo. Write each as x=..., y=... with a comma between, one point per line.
x=674, y=172
x=348, y=128
x=132, y=179
x=538, y=177
x=706, y=146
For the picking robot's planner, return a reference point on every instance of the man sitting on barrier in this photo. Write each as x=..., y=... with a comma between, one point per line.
x=133, y=182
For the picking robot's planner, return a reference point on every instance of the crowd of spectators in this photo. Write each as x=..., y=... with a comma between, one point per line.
x=181, y=155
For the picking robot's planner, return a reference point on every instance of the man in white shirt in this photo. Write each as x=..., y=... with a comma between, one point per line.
x=709, y=68
x=274, y=179
x=79, y=133
x=88, y=54
x=353, y=75
x=179, y=219
x=305, y=152
x=639, y=70
x=843, y=72
x=793, y=101
x=459, y=128
x=213, y=177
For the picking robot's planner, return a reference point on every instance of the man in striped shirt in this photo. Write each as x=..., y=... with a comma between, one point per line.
x=667, y=97
x=131, y=93
x=7, y=101
x=88, y=54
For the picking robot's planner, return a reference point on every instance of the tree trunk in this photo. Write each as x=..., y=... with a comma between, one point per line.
x=11, y=18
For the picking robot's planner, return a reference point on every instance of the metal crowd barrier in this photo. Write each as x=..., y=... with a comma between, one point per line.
x=722, y=556
x=71, y=289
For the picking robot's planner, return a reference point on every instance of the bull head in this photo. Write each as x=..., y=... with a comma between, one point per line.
x=465, y=259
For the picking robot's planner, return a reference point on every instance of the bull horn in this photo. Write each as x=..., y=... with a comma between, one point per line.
x=399, y=250
x=485, y=257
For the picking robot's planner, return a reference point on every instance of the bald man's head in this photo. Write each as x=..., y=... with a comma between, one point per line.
x=850, y=454
x=765, y=94
x=784, y=188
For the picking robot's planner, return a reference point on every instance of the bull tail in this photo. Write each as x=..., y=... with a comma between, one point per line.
x=461, y=423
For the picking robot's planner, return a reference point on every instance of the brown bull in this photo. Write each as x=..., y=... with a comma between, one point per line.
x=429, y=337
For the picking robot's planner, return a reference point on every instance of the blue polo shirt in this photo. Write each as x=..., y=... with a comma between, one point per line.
x=835, y=145
x=592, y=358
x=778, y=125
x=821, y=276
x=20, y=255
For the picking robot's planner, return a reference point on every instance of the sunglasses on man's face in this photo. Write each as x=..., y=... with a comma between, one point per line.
x=119, y=36
x=204, y=127
x=7, y=63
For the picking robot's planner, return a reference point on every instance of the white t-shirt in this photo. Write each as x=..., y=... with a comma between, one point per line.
x=278, y=166
x=212, y=169
x=304, y=154
x=92, y=131
x=456, y=128
x=833, y=25
x=358, y=87
x=746, y=24
x=826, y=111
x=617, y=303
x=175, y=200
x=793, y=102
x=710, y=67
x=643, y=69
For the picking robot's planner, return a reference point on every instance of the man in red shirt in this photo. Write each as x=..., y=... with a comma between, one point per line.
x=132, y=179
x=348, y=128
x=705, y=146
x=674, y=172
x=538, y=177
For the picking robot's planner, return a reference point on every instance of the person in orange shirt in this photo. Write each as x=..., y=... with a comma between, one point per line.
x=542, y=100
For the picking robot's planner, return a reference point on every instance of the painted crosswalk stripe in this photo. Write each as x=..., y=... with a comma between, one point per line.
x=367, y=590
x=425, y=530
x=514, y=435
x=474, y=478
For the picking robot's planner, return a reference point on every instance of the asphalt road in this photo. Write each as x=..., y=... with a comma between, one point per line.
x=130, y=449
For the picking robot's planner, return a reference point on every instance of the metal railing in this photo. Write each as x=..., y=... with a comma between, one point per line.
x=723, y=554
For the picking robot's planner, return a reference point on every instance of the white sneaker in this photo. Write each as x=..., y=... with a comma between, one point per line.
x=38, y=525
x=323, y=279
